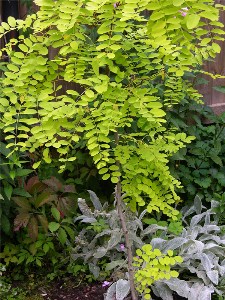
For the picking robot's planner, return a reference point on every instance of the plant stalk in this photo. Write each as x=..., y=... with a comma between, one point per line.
x=122, y=217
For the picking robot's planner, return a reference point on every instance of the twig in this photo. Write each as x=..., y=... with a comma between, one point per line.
x=122, y=217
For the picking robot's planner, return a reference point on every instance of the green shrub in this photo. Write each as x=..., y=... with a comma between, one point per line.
x=199, y=167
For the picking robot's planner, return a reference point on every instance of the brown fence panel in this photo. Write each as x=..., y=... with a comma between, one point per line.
x=213, y=98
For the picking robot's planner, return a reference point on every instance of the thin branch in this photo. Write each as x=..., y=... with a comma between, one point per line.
x=122, y=217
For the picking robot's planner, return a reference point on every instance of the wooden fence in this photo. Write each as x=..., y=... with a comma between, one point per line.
x=212, y=98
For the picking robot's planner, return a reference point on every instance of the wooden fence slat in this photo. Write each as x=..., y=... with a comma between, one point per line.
x=213, y=98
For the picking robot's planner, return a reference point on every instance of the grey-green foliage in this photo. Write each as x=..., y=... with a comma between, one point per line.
x=118, y=290
x=92, y=246
x=202, y=247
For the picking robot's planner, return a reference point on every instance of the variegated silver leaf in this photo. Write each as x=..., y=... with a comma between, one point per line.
x=134, y=238
x=194, y=232
x=95, y=200
x=206, y=262
x=84, y=207
x=101, y=252
x=122, y=289
x=111, y=292
x=174, y=243
x=196, y=219
x=114, y=264
x=198, y=204
x=94, y=269
x=163, y=290
x=202, y=275
x=158, y=243
x=151, y=229
x=85, y=219
x=207, y=219
x=209, y=228
x=213, y=276
x=115, y=239
x=194, y=246
x=181, y=287
x=205, y=293
x=195, y=290
x=104, y=232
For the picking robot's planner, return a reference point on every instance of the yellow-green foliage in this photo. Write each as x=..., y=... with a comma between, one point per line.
x=152, y=265
x=129, y=68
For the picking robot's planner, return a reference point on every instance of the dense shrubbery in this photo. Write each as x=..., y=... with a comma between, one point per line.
x=115, y=132
x=199, y=166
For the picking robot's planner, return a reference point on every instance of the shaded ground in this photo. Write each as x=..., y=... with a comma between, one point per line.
x=89, y=292
x=60, y=292
x=71, y=290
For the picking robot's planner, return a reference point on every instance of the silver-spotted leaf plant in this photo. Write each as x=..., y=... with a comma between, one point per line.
x=202, y=247
x=118, y=290
x=102, y=237
x=117, y=53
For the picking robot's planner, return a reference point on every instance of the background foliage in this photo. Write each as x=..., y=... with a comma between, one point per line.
x=200, y=166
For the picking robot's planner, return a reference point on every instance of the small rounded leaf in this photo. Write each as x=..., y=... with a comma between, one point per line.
x=53, y=226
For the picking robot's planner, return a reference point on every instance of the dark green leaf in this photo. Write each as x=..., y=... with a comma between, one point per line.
x=23, y=172
x=53, y=226
x=5, y=224
x=55, y=213
x=217, y=160
x=21, y=192
x=62, y=235
x=8, y=189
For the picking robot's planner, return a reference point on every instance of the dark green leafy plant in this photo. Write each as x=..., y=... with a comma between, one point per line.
x=14, y=169
x=43, y=228
x=28, y=252
x=47, y=257
x=220, y=208
x=33, y=209
x=12, y=175
x=6, y=290
x=64, y=228
x=199, y=167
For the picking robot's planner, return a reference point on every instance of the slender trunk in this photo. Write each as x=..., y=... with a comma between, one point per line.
x=125, y=231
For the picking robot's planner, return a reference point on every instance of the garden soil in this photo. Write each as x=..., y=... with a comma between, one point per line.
x=82, y=292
